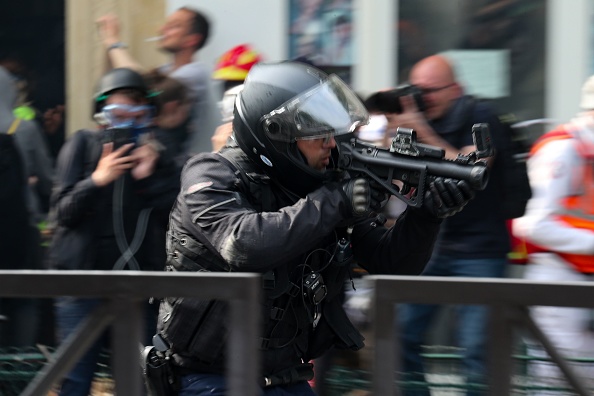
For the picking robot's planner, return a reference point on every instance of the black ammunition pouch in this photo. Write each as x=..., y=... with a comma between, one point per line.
x=196, y=328
x=159, y=377
x=334, y=329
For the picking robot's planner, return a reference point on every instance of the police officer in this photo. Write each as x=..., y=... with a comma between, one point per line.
x=274, y=203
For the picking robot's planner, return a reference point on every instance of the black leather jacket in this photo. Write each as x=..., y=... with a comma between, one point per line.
x=230, y=217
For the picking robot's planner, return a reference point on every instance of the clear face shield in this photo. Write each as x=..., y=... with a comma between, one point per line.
x=324, y=111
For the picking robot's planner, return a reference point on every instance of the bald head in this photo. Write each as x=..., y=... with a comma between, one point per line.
x=434, y=67
x=435, y=75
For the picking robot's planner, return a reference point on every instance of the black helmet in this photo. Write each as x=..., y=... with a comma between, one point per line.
x=287, y=101
x=117, y=79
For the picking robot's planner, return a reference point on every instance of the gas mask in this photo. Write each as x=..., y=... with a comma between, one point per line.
x=125, y=123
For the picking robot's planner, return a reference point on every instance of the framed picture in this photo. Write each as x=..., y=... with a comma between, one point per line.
x=320, y=33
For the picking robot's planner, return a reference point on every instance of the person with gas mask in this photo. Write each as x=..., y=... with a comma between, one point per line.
x=273, y=201
x=112, y=193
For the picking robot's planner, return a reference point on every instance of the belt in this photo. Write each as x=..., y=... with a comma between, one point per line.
x=302, y=372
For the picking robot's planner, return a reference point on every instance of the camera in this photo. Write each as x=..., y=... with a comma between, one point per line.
x=389, y=101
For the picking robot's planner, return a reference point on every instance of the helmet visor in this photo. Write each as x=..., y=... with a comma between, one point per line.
x=326, y=110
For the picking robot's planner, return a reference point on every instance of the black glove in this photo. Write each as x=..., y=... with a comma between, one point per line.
x=363, y=196
x=446, y=197
x=379, y=196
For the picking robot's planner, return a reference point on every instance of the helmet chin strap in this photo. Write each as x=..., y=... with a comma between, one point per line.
x=334, y=155
x=297, y=153
x=331, y=173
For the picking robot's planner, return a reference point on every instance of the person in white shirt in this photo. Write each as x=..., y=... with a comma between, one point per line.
x=558, y=230
x=184, y=33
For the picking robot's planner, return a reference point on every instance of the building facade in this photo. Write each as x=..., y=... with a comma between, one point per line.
x=530, y=56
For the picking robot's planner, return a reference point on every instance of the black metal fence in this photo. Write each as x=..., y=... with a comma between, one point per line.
x=508, y=300
x=125, y=291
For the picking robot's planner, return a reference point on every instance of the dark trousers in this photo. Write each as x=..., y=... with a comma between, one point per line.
x=70, y=312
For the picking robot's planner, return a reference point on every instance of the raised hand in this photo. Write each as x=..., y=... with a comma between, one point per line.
x=112, y=164
x=145, y=158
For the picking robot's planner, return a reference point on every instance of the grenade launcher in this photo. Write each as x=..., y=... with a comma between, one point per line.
x=406, y=167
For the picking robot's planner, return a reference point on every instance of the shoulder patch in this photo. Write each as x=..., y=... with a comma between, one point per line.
x=197, y=187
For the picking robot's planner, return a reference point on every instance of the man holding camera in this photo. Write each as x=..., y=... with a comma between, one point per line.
x=472, y=243
x=111, y=197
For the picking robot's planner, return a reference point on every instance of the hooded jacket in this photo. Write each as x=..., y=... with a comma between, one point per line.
x=29, y=141
x=92, y=221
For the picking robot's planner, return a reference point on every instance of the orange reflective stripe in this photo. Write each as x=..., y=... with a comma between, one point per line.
x=582, y=204
x=581, y=262
x=558, y=134
x=578, y=222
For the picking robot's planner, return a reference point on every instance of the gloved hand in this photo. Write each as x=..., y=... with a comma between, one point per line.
x=363, y=196
x=446, y=197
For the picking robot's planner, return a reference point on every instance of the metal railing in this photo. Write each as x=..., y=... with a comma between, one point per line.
x=124, y=293
x=508, y=300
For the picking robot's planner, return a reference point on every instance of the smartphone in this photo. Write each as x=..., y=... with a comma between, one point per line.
x=120, y=136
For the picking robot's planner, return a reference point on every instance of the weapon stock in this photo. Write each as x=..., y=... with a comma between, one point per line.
x=414, y=164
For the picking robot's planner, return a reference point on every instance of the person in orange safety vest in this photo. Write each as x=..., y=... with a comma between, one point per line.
x=558, y=229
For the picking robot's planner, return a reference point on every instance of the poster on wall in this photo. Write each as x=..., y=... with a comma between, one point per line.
x=320, y=32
